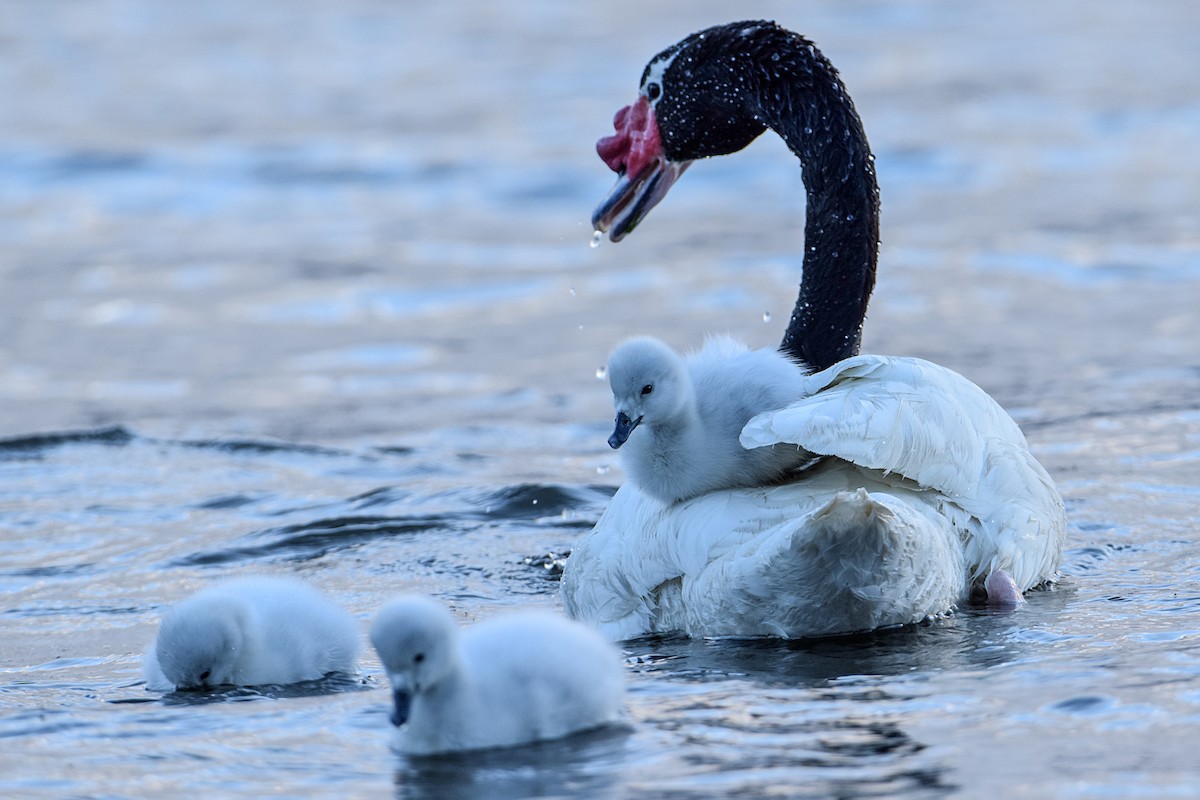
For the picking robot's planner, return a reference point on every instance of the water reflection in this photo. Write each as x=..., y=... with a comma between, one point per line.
x=973, y=638
x=330, y=684
x=584, y=765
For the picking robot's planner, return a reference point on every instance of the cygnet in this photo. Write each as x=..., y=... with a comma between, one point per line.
x=690, y=412
x=515, y=679
x=251, y=631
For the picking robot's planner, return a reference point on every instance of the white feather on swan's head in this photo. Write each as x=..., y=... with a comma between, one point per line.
x=650, y=385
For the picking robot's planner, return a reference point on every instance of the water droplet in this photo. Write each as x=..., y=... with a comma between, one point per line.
x=535, y=501
x=603, y=469
x=807, y=131
x=601, y=373
x=596, y=237
x=766, y=316
x=572, y=291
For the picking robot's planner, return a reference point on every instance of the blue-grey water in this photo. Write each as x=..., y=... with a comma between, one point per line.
x=306, y=288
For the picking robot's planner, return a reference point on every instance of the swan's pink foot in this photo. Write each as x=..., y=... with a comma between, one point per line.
x=1002, y=590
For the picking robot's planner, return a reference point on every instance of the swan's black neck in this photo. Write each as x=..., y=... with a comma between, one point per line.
x=724, y=86
x=812, y=112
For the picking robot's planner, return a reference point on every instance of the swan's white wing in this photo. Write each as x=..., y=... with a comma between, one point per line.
x=901, y=415
x=929, y=424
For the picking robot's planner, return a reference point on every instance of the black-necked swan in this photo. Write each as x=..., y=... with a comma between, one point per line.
x=248, y=632
x=519, y=678
x=929, y=494
x=678, y=420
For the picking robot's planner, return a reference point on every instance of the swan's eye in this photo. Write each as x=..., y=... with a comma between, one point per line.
x=418, y=658
x=653, y=91
x=647, y=389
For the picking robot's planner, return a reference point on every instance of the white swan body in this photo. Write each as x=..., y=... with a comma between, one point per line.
x=519, y=678
x=249, y=632
x=928, y=491
x=678, y=420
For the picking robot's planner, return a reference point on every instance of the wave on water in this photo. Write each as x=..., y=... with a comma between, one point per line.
x=540, y=505
x=120, y=436
x=211, y=502
x=33, y=445
x=333, y=683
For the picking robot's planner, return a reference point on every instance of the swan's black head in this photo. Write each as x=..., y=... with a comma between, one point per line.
x=701, y=97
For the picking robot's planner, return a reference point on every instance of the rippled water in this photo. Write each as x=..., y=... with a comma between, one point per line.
x=307, y=289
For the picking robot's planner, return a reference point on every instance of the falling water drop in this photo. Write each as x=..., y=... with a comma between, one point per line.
x=601, y=372
x=596, y=237
x=572, y=291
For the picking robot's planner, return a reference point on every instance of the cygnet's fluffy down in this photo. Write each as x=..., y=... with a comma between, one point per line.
x=678, y=420
x=248, y=632
x=512, y=680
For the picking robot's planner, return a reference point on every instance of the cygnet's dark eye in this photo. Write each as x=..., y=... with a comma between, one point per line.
x=653, y=91
x=647, y=389
x=418, y=658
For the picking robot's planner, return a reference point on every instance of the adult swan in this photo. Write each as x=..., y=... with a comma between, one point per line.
x=927, y=495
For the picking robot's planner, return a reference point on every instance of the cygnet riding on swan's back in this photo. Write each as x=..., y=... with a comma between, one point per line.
x=929, y=495
x=249, y=632
x=679, y=421
x=519, y=678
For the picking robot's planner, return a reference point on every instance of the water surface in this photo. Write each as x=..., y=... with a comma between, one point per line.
x=307, y=289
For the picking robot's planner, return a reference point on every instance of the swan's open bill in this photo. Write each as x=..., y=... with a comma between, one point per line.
x=644, y=174
x=930, y=493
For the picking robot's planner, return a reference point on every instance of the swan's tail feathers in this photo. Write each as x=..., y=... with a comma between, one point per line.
x=858, y=562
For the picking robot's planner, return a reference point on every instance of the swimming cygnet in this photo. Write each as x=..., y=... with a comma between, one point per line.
x=519, y=678
x=691, y=412
x=251, y=631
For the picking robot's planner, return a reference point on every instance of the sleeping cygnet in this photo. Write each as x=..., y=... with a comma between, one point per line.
x=688, y=415
x=519, y=678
